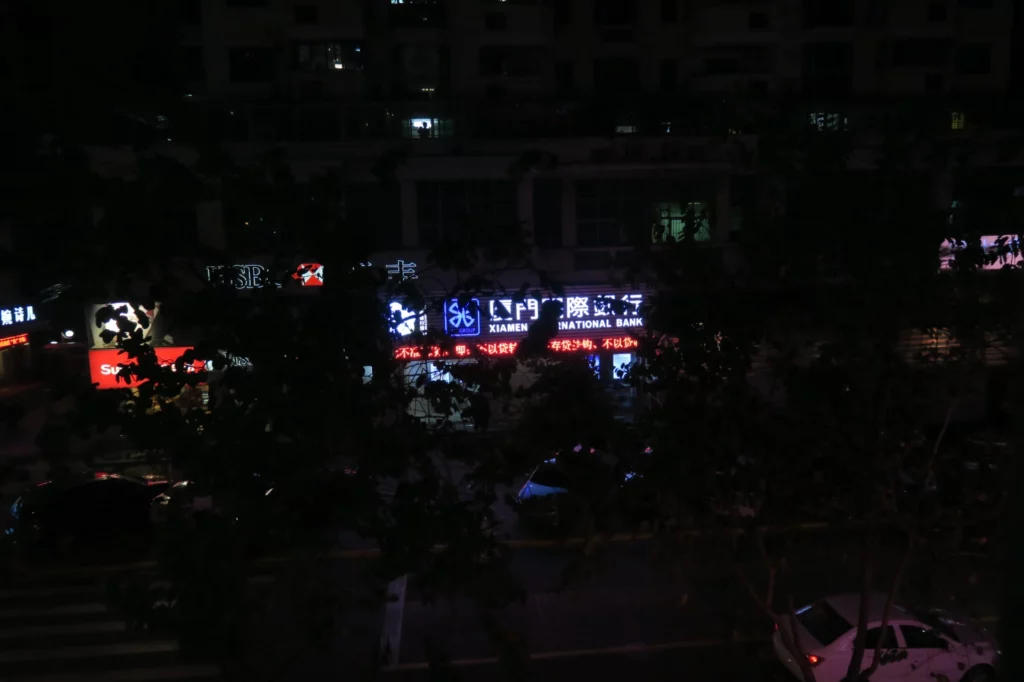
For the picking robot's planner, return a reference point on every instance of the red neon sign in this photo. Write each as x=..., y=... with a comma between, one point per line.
x=16, y=340
x=498, y=349
x=105, y=364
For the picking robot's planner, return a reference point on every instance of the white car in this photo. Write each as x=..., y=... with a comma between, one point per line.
x=920, y=646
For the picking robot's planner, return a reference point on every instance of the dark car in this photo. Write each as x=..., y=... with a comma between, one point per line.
x=93, y=510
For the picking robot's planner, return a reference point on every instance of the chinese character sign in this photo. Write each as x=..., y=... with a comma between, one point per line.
x=17, y=315
x=578, y=313
x=462, y=320
x=509, y=348
x=402, y=270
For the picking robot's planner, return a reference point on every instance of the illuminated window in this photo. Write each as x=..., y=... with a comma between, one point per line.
x=405, y=321
x=329, y=56
x=958, y=121
x=828, y=121
x=676, y=220
x=424, y=128
x=625, y=130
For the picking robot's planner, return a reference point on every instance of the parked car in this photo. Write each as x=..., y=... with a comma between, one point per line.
x=91, y=510
x=549, y=500
x=918, y=646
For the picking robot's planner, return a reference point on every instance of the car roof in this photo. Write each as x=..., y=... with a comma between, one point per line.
x=848, y=606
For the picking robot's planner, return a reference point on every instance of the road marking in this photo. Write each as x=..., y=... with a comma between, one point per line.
x=90, y=651
x=618, y=650
x=102, y=627
x=178, y=672
x=391, y=633
x=60, y=610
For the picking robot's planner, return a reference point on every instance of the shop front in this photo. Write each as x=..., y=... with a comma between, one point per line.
x=17, y=323
x=600, y=324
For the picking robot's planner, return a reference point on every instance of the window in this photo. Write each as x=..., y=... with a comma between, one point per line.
x=612, y=213
x=329, y=56
x=190, y=12
x=757, y=21
x=615, y=74
x=669, y=11
x=246, y=3
x=876, y=14
x=937, y=12
x=974, y=60
x=828, y=13
x=563, y=12
x=678, y=221
x=667, y=73
x=190, y=64
x=822, y=621
x=871, y=638
x=564, y=79
x=465, y=209
x=958, y=121
x=495, y=21
x=922, y=638
x=614, y=12
x=251, y=64
x=307, y=14
x=625, y=130
x=828, y=68
x=426, y=128
x=977, y=4
x=828, y=121
x=547, y=213
x=934, y=83
x=510, y=61
x=921, y=53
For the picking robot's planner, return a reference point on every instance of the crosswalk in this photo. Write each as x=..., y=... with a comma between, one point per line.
x=65, y=632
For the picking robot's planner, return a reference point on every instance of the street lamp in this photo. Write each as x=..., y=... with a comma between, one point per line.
x=68, y=334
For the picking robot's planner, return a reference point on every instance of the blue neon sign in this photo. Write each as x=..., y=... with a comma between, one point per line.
x=462, y=320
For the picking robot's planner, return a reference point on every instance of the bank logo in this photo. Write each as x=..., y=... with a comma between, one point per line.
x=462, y=320
x=310, y=274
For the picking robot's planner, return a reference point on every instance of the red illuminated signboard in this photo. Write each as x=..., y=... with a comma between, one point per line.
x=104, y=364
x=465, y=350
x=16, y=340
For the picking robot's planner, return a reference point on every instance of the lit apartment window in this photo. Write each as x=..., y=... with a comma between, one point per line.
x=676, y=219
x=424, y=128
x=329, y=56
x=625, y=130
x=958, y=121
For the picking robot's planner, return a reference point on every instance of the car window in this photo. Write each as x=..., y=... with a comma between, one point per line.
x=551, y=477
x=822, y=621
x=921, y=638
x=871, y=638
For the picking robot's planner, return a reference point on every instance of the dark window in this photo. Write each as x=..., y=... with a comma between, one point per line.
x=190, y=12
x=614, y=12
x=974, y=59
x=824, y=624
x=934, y=83
x=564, y=77
x=922, y=638
x=876, y=13
x=472, y=210
x=936, y=11
x=668, y=73
x=510, y=61
x=547, y=213
x=251, y=64
x=872, y=635
x=495, y=21
x=373, y=214
x=328, y=56
x=307, y=14
x=669, y=11
x=977, y=4
x=615, y=74
x=828, y=13
x=246, y=3
x=563, y=12
x=191, y=68
x=827, y=68
x=921, y=53
x=757, y=21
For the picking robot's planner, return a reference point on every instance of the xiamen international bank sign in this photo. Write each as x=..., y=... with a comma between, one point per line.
x=598, y=314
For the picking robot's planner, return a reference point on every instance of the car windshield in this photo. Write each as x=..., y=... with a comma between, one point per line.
x=551, y=477
x=822, y=621
x=936, y=622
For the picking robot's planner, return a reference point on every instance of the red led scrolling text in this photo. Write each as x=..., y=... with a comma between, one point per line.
x=462, y=350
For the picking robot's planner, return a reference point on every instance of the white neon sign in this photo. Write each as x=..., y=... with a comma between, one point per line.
x=16, y=315
x=578, y=313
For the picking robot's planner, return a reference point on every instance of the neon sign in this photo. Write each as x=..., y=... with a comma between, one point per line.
x=17, y=340
x=462, y=320
x=310, y=275
x=9, y=316
x=579, y=313
x=504, y=348
x=401, y=270
x=105, y=364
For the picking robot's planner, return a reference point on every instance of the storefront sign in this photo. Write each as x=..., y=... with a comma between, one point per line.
x=462, y=319
x=105, y=364
x=310, y=274
x=1009, y=251
x=463, y=350
x=579, y=313
x=131, y=314
x=405, y=321
x=16, y=340
x=246, y=276
x=401, y=270
x=17, y=315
